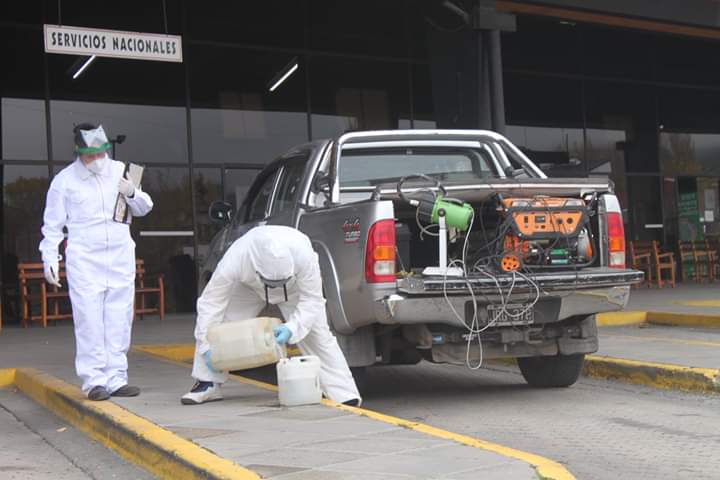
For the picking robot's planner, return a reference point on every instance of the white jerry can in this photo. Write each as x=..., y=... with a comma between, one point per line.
x=244, y=344
x=299, y=381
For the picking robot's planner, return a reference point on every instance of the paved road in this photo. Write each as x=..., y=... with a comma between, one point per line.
x=599, y=430
x=35, y=444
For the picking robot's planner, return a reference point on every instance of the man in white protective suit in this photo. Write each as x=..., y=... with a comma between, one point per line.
x=270, y=265
x=100, y=260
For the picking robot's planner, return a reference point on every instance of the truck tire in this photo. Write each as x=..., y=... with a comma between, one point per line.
x=551, y=371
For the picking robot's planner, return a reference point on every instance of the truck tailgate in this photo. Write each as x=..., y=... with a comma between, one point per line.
x=548, y=281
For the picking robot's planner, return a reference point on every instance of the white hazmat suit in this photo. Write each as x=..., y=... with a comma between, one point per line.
x=100, y=266
x=235, y=292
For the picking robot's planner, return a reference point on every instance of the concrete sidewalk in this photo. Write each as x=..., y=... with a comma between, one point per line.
x=252, y=430
x=689, y=298
x=690, y=347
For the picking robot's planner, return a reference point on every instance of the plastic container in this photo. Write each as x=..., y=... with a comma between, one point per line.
x=244, y=344
x=299, y=381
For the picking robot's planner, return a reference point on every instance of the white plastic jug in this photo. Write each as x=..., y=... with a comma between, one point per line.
x=299, y=381
x=244, y=344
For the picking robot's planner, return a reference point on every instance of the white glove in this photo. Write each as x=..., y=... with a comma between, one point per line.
x=52, y=274
x=126, y=187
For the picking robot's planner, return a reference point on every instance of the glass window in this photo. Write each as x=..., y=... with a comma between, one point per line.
x=369, y=27
x=689, y=131
x=689, y=226
x=618, y=110
x=670, y=210
x=617, y=53
x=235, y=117
x=161, y=236
x=353, y=94
x=258, y=207
x=143, y=101
x=542, y=45
x=544, y=119
x=237, y=183
x=708, y=205
x=289, y=184
x=645, y=208
x=278, y=23
x=24, y=192
x=207, y=183
x=152, y=134
x=371, y=168
x=24, y=136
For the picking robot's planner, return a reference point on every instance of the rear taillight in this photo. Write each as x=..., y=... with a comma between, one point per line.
x=616, y=240
x=380, y=252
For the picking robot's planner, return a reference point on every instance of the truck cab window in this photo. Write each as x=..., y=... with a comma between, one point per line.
x=289, y=185
x=258, y=208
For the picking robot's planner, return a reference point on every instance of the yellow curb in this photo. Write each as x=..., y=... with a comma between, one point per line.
x=7, y=377
x=159, y=451
x=683, y=319
x=545, y=468
x=678, y=341
x=657, y=375
x=699, y=303
x=619, y=319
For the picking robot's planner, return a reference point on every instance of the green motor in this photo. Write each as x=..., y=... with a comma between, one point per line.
x=458, y=214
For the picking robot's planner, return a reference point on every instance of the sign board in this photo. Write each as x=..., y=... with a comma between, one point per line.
x=112, y=43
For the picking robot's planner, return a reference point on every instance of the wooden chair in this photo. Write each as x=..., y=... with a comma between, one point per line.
x=142, y=291
x=663, y=261
x=34, y=290
x=712, y=246
x=641, y=253
x=695, y=254
x=704, y=260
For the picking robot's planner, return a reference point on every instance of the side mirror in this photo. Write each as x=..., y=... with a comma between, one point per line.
x=220, y=212
x=321, y=183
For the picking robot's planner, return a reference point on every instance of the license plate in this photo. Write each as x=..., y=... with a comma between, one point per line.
x=512, y=314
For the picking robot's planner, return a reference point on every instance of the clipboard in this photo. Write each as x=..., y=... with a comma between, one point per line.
x=122, y=213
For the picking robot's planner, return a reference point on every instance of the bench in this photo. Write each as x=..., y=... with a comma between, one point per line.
x=48, y=299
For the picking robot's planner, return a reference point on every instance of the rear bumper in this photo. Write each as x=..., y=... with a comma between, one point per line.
x=562, y=295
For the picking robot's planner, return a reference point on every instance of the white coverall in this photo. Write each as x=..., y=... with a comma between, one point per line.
x=235, y=292
x=100, y=266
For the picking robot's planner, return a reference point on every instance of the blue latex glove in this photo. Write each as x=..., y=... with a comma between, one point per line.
x=206, y=357
x=282, y=334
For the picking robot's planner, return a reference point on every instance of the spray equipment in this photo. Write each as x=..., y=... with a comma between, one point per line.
x=436, y=208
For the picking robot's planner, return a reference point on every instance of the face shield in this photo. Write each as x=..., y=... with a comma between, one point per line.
x=91, y=146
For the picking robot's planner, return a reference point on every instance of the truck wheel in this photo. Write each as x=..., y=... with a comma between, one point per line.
x=555, y=371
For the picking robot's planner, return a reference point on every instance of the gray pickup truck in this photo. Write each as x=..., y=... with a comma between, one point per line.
x=523, y=279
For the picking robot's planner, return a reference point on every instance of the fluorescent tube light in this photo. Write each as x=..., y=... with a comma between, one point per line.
x=84, y=66
x=290, y=71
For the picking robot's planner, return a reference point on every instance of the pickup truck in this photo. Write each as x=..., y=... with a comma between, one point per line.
x=541, y=257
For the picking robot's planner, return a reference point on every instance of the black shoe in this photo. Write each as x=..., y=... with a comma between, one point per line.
x=98, y=394
x=353, y=402
x=126, y=391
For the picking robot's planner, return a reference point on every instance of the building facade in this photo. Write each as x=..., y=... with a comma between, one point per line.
x=587, y=88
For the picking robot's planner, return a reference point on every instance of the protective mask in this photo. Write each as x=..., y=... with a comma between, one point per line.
x=96, y=166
